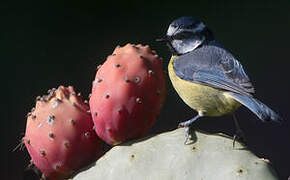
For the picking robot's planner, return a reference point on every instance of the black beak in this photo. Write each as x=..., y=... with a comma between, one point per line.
x=163, y=38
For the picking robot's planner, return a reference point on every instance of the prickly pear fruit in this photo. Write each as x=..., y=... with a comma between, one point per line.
x=59, y=134
x=127, y=94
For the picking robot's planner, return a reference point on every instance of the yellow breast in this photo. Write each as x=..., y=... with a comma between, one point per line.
x=205, y=100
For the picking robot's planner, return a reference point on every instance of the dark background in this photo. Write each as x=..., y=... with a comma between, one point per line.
x=47, y=44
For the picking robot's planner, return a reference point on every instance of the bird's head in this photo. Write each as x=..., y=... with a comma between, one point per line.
x=186, y=34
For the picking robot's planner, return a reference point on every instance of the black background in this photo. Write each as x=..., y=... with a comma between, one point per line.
x=46, y=44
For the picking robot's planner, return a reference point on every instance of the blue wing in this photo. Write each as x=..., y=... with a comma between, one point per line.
x=213, y=66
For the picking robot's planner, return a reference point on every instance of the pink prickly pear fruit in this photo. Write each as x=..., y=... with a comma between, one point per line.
x=128, y=93
x=59, y=134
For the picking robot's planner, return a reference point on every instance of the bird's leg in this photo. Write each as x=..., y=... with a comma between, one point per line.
x=187, y=125
x=239, y=134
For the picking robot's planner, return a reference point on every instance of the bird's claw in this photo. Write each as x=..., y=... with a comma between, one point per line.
x=186, y=134
x=187, y=125
x=187, y=128
x=239, y=136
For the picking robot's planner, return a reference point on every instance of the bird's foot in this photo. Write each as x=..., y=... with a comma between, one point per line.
x=187, y=132
x=240, y=136
x=187, y=125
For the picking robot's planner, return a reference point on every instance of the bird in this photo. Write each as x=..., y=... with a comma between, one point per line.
x=207, y=77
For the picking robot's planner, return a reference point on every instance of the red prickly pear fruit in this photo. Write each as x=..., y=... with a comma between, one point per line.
x=59, y=134
x=128, y=93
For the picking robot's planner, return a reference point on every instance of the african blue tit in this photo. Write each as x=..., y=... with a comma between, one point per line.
x=206, y=76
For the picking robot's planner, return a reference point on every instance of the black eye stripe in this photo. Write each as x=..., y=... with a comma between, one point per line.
x=183, y=35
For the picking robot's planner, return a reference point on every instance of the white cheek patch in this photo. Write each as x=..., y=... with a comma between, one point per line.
x=171, y=30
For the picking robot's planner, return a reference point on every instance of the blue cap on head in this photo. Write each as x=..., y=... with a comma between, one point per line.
x=186, y=22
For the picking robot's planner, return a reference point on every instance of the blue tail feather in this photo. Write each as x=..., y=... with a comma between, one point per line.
x=257, y=107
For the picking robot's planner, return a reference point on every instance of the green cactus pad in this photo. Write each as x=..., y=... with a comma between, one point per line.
x=166, y=157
